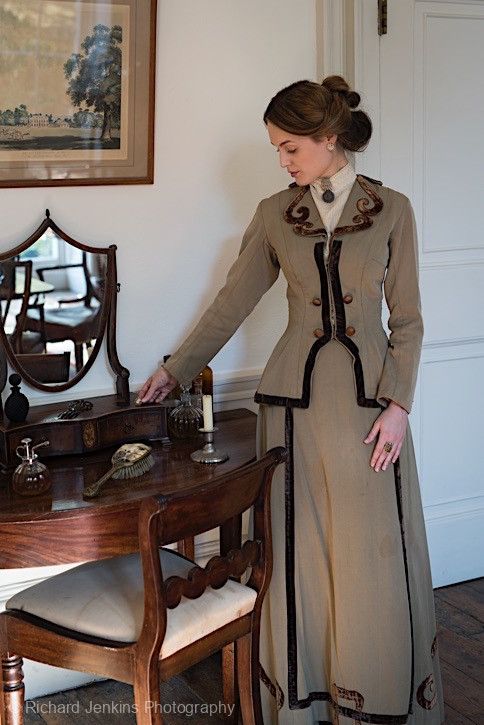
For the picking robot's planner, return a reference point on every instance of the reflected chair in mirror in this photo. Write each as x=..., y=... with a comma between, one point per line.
x=76, y=319
x=46, y=367
x=149, y=615
x=8, y=270
x=17, y=283
x=29, y=346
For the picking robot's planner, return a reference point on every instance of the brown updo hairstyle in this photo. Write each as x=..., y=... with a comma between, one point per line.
x=311, y=109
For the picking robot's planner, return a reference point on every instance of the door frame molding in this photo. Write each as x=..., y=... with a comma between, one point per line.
x=348, y=44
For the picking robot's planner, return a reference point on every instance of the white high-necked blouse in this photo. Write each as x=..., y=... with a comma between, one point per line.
x=341, y=184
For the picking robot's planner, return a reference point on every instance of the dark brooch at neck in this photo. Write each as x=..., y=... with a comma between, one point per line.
x=299, y=218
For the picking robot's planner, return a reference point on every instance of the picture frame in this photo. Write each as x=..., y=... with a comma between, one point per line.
x=77, y=92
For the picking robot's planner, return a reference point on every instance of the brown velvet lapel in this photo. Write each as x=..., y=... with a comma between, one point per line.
x=302, y=212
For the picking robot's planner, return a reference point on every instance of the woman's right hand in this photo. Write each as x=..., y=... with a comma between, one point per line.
x=157, y=387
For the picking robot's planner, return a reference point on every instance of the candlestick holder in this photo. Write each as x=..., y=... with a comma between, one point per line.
x=209, y=454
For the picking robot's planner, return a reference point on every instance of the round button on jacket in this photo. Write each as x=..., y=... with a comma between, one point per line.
x=348, y=298
x=316, y=301
x=318, y=332
x=350, y=330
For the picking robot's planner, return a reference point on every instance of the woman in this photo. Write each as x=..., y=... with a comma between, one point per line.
x=348, y=629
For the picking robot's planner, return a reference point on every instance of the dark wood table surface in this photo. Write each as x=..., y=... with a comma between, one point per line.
x=61, y=527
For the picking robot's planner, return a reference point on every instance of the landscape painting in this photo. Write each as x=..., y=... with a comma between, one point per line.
x=66, y=105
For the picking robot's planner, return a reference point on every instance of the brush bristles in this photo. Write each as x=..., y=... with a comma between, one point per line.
x=136, y=469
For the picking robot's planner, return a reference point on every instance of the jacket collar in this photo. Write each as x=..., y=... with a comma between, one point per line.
x=362, y=204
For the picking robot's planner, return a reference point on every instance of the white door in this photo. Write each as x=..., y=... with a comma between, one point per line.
x=422, y=83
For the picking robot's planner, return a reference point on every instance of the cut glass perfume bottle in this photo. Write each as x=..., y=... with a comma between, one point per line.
x=187, y=417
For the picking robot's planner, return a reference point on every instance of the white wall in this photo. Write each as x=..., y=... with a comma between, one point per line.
x=218, y=64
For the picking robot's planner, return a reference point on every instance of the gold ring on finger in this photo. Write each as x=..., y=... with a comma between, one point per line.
x=388, y=446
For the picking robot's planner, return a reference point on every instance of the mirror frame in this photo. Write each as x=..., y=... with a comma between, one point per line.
x=107, y=320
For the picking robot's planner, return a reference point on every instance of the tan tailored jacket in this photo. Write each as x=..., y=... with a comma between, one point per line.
x=372, y=251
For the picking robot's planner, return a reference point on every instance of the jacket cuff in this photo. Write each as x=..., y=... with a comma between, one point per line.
x=176, y=368
x=385, y=398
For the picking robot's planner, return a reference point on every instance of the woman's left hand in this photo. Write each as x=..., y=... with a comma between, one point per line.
x=391, y=425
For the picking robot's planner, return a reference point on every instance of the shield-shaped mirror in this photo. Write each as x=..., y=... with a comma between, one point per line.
x=57, y=297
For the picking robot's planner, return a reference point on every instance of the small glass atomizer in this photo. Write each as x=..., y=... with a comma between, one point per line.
x=31, y=477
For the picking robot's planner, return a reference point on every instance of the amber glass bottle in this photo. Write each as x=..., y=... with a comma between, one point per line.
x=203, y=384
x=207, y=381
x=196, y=388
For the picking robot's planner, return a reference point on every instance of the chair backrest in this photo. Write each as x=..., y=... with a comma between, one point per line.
x=46, y=367
x=168, y=518
x=90, y=293
x=188, y=513
x=16, y=335
x=7, y=279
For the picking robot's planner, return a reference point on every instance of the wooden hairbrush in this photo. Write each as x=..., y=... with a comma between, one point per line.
x=129, y=461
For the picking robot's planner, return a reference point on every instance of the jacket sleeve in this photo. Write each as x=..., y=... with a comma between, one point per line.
x=254, y=271
x=402, y=294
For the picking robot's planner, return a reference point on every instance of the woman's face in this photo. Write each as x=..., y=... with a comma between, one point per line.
x=305, y=159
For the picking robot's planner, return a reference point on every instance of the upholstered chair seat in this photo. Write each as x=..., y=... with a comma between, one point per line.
x=69, y=317
x=105, y=599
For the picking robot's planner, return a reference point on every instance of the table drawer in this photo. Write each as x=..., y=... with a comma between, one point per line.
x=141, y=425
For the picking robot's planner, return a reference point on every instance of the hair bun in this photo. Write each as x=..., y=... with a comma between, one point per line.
x=353, y=99
x=338, y=85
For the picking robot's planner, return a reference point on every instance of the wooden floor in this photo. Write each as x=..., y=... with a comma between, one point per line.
x=460, y=617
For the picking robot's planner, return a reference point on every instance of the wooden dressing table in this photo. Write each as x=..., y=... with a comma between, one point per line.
x=60, y=527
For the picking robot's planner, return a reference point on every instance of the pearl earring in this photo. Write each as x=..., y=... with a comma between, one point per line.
x=330, y=147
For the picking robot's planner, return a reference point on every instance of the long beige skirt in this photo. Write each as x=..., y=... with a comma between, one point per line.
x=348, y=630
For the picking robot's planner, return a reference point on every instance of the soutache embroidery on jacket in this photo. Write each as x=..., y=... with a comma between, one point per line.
x=426, y=694
x=299, y=217
x=274, y=689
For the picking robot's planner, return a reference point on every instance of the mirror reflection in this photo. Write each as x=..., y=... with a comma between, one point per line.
x=51, y=298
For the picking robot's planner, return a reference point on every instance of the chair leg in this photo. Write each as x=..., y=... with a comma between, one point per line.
x=13, y=690
x=248, y=678
x=147, y=698
x=79, y=357
x=187, y=547
x=229, y=680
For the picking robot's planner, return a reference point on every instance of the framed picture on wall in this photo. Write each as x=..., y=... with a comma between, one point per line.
x=77, y=92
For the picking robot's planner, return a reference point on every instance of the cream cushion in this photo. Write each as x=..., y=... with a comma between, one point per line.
x=105, y=599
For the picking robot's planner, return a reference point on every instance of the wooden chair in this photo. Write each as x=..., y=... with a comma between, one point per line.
x=147, y=616
x=8, y=270
x=20, y=340
x=76, y=318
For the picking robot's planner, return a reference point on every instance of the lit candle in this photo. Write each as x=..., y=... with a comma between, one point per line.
x=207, y=412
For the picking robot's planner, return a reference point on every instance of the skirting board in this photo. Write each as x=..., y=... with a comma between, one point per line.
x=455, y=537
